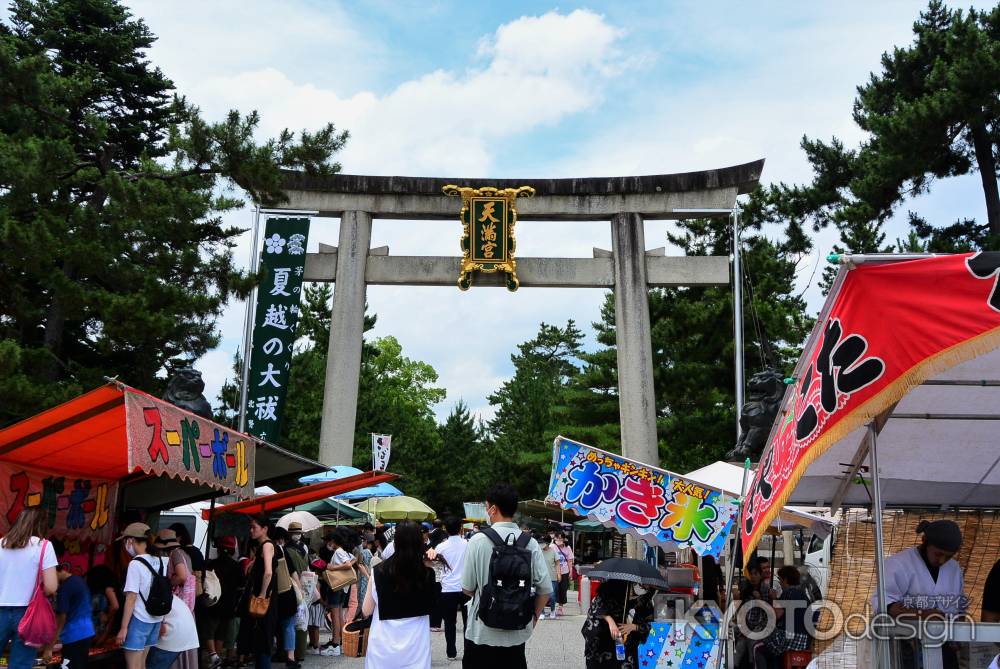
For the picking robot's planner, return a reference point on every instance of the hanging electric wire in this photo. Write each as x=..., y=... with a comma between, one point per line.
x=759, y=329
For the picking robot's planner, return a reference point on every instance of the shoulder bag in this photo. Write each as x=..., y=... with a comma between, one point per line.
x=259, y=606
x=283, y=577
x=338, y=579
x=38, y=625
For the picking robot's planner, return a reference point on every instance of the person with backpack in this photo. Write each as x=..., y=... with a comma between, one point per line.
x=148, y=597
x=400, y=599
x=505, y=574
x=25, y=559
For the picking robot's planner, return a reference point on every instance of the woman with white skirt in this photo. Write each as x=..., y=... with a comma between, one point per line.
x=401, y=595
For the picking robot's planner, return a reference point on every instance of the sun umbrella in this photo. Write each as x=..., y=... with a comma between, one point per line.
x=309, y=522
x=626, y=569
x=394, y=509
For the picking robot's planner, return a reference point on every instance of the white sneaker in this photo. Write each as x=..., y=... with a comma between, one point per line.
x=541, y=617
x=329, y=652
x=336, y=651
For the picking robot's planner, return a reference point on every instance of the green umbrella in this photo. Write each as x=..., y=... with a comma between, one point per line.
x=395, y=509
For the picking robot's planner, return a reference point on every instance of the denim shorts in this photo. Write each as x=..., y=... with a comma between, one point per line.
x=336, y=599
x=141, y=635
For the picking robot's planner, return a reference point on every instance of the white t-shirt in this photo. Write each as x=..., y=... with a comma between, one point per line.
x=340, y=556
x=138, y=579
x=390, y=548
x=453, y=551
x=16, y=588
x=181, y=633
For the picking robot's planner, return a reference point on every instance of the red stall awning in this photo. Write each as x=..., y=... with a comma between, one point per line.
x=168, y=455
x=304, y=495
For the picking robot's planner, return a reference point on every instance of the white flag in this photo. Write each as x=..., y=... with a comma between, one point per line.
x=380, y=451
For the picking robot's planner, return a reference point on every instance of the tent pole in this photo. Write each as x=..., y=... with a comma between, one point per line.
x=248, y=324
x=738, y=317
x=881, y=645
x=727, y=615
x=209, y=531
x=774, y=546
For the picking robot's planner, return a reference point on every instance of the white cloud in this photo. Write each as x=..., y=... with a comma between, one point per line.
x=198, y=41
x=531, y=72
x=539, y=70
x=683, y=88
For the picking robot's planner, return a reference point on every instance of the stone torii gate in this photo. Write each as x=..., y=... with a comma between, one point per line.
x=629, y=269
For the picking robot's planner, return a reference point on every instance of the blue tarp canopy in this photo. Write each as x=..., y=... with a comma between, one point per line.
x=334, y=473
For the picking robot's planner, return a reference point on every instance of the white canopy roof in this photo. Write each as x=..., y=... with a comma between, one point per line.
x=940, y=447
x=729, y=478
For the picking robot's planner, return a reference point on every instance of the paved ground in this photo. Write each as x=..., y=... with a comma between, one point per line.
x=555, y=643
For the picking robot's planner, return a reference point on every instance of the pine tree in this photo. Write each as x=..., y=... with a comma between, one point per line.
x=116, y=261
x=529, y=406
x=692, y=338
x=467, y=458
x=933, y=112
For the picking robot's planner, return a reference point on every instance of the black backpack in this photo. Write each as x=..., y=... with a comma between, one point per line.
x=507, y=600
x=161, y=596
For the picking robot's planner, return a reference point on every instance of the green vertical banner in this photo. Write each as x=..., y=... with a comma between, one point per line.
x=283, y=262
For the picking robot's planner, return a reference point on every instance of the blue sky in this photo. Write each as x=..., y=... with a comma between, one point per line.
x=590, y=89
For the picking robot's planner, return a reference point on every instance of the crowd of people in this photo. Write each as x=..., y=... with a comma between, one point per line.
x=276, y=596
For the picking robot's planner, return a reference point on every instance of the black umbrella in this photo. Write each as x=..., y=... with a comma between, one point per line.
x=627, y=569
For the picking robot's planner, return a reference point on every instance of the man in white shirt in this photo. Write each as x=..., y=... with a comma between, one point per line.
x=140, y=630
x=452, y=550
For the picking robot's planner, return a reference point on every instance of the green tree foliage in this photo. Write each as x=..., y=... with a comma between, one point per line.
x=469, y=458
x=692, y=338
x=397, y=397
x=558, y=388
x=116, y=260
x=531, y=406
x=932, y=112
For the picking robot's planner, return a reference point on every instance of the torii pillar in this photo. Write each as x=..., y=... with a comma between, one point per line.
x=628, y=269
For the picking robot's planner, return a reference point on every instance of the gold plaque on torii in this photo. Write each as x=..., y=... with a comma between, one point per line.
x=488, y=218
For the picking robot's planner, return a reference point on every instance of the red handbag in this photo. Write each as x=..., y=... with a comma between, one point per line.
x=38, y=626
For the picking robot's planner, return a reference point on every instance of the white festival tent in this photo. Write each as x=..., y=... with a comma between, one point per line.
x=937, y=448
x=728, y=478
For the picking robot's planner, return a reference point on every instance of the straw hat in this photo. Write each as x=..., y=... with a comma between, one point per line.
x=135, y=531
x=294, y=526
x=166, y=539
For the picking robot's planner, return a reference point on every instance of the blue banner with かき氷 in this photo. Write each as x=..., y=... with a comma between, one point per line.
x=655, y=505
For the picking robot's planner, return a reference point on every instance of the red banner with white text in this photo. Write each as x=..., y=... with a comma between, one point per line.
x=889, y=327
